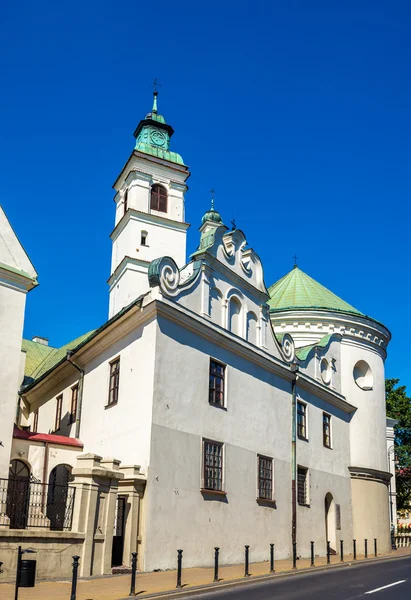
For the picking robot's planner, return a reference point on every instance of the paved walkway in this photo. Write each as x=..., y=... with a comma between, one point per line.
x=116, y=587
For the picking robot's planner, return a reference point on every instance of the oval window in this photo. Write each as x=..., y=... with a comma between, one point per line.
x=363, y=375
x=325, y=370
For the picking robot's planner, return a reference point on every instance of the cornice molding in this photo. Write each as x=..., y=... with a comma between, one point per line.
x=125, y=262
x=147, y=158
x=142, y=217
x=368, y=474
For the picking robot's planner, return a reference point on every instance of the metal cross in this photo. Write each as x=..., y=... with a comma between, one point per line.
x=156, y=84
x=212, y=192
x=295, y=257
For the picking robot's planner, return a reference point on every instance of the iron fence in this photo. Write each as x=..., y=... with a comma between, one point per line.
x=26, y=502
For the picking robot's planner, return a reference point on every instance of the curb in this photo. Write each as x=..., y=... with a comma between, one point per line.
x=232, y=583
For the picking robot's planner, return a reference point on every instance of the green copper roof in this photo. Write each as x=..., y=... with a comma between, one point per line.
x=303, y=352
x=297, y=290
x=212, y=215
x=41, y=358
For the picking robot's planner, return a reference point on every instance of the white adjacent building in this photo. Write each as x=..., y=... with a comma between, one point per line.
x=192, y=396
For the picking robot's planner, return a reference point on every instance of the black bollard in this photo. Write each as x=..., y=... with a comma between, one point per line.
x=133, y=574
x=312, y=555
x=342, y=550
x=246, y=573
x=272, y=570
x=365, y=548
x=354, y=544
x=216, y=551
x=294, y=555
x=375, y=547
x=179, y=562
x=75, y=563
x=328, y=553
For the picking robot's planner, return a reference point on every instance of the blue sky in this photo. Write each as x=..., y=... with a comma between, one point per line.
x=296, y=112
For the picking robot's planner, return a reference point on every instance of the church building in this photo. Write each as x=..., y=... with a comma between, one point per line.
x=206, y=411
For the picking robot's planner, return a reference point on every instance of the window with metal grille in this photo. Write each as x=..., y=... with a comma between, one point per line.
x=327, y=430
x=302, y=478
x=158, y=198
x=114, y=382
x=74, y=401
x=302, y=420
x=216, y=385
x=213, y=466
x=59, y=403
x=265, y=478
x=35, y=420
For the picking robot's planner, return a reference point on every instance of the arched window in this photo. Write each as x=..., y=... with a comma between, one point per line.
x=18, y=494
x=125, y=201
x=144, y=235
x=158, y=200
x=252, y=328
x=234, y=316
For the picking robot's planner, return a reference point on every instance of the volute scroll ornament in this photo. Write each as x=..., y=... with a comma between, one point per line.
x=164, y=272
x=288, y=348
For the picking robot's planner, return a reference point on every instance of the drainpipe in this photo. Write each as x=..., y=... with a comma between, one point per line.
x=80, y=394
x=294, y=369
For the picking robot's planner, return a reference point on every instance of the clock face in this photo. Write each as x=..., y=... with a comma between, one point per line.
x=158, y=138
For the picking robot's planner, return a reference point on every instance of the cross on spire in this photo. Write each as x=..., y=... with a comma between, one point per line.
x=295, y=257
x=212, y=192
x=156, y=85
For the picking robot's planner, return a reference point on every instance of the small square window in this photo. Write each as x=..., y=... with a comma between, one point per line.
x=265, y=478
x=302, y=420
x=216, y=383
x=144, y=238
x=213, y=466
x=302, y=486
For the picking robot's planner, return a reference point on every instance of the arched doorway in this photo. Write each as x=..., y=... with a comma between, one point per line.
x=57, y=496
x=330, y=524
x=18, y=494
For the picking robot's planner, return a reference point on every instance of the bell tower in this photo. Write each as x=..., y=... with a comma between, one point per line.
x=149, y=220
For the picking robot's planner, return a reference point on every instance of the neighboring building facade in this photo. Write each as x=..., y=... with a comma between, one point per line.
x=196, y=388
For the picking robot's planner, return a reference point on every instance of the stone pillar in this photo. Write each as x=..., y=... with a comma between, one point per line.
x=96, y=483
x=132, y=486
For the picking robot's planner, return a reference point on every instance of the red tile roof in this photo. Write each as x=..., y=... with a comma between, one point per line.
x=50, y=438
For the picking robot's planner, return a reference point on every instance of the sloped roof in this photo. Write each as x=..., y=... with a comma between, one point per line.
x=41, y=358
x=299, y=290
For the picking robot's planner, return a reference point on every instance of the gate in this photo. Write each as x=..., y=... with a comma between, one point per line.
x=118, y=537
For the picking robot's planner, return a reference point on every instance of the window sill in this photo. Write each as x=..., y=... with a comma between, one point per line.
x=305, y=505
x=266, y=502
x=220, y=406
x=213, y=492
x=110, y=405
x=328, y=447
x=303, y=439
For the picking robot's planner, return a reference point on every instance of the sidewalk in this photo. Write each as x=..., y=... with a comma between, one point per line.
x=116, y=587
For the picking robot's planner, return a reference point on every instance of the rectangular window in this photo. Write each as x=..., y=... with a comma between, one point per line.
x=114, y=381
x=74, y=400
x=302, y=481
x=125, y=201
x=216, y=385
x=35, y=420
x=265, y=478
x=213, y=466
x=327, y=430
x=59, y=403
x=302, y=420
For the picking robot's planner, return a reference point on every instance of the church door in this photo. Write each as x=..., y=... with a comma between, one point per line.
x=118, y=537
x=18, y=494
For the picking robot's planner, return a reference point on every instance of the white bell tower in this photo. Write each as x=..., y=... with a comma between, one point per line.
x=149, y=220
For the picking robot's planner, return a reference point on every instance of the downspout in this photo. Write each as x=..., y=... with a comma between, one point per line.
x=80, y=394
x=294, y=369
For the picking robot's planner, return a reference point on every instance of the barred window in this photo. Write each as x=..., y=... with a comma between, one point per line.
x=302, y=481
x=158, y=199
x=302, y=420
x=59, y=403
x=213, y=466
x=74, y=401
x=265, y=477
x=114, y=382
x=327, y=430
x=216, y=385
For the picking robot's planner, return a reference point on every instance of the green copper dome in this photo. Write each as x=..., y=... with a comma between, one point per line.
x=212, y=215
x=297, y=290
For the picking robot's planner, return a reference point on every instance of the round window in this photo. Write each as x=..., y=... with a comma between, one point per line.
x=325, y=370
x=363, y=375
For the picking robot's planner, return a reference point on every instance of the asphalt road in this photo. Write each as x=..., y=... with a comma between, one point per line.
x=345, y=583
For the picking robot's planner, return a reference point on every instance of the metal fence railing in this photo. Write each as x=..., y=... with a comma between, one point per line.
x=26, y=502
